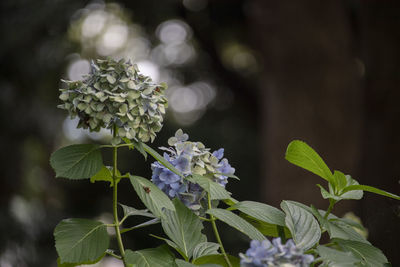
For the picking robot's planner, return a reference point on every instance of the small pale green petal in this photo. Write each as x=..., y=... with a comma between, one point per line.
x=131, y=104
x=116, y=140
x=100, y=107
x=64, y=96
x=92, y=124
x=97, y=85
x=200, y=145
x=117, y=99
x=214, y=160
x=99, y=95
x=130, y=117
x=199, y=170
x=87, y=99
x=88, y=110
x=133, y=94
x=110, y=79
x=121, y=132
x=178, y=133
x=131, y=85
x=161, y=108
x=123, y=109
x=100, y=115
x=148, y=91
x=141, y=111
x=135, y=111
x=172, y=141
x=82, y=106
x=107, y=118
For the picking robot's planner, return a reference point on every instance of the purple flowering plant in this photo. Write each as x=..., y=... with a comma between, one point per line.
x=189, y=188
x=190, y=158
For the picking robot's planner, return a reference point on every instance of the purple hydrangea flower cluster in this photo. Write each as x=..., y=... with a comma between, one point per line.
x=267, y=254
x=189, y=158
x=224, y=167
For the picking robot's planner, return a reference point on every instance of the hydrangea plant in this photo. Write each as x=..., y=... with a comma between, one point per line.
x=190, y=158
x=189, y=188
x=116, y=94
x=264, y=254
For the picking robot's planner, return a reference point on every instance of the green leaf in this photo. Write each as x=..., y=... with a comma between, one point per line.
x=205, y=248
x=80, y=240
x=302, y=155
x=227, y=175
x=358, y=194
x=171, y=244
x=216, y=190
x=105, y=174
x=217, y=259
x=337, y=228
x=183, y=227
x=129, y=211
x=230, y=201
x=151, y=257
x=354, y=194
x=367, y=254
x=141, y=225
x=339, y=194
x=371, y=190
x=77, y=161
x=237, y=222
x=336, y=258
x=129, y=142
x=161, y=159
x=261, y=211
x=352, y=223
x=327, y=195
x=152, y=197
x=68, y=264
x=340, y=179
x=302, y=224
x=265, y=228
x=182, y=263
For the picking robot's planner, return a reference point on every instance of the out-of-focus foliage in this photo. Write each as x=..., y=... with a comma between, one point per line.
x=46, y=40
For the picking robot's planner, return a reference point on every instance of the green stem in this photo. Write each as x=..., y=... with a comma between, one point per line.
x=281, y=233
x=114, y=255
x=111, y=146
x=316, y=262
x=332, y=203
x=214, y=226
x=204, y=219
x=115, y=204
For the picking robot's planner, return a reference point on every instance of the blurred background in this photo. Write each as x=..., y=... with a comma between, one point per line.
x=249, y=76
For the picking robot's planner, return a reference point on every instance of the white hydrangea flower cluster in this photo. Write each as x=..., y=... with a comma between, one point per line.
x=116, y=94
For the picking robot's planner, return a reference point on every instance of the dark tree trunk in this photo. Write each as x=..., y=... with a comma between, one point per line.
x=330, y=78
x=310, y=87
x=380, y=23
